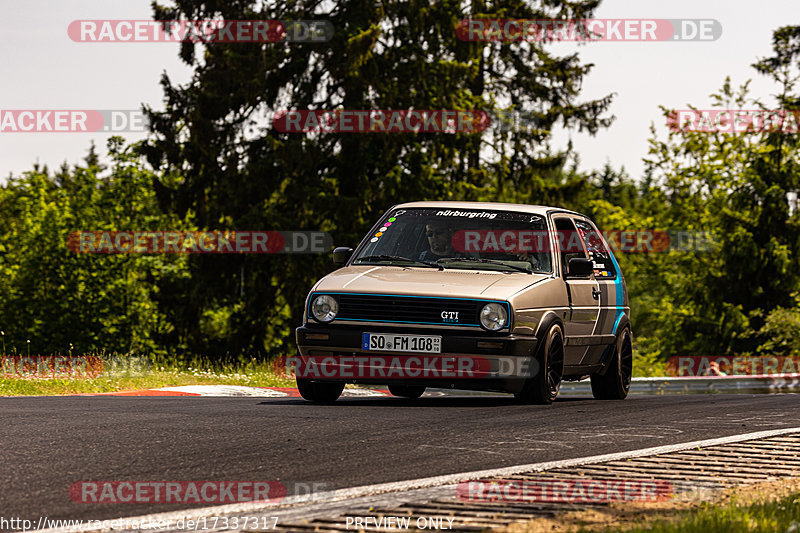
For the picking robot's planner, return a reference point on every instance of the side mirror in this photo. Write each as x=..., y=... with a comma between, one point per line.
x=579, y=267
x=341, y=254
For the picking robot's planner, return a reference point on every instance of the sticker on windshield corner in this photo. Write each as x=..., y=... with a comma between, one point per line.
x=399, y=213
x=374, y=239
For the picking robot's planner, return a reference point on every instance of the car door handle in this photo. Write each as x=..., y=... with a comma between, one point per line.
x=595, y=293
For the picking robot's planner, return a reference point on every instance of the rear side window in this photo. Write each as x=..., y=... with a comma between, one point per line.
x=598, y=253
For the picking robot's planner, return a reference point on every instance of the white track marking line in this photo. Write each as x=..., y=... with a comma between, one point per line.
x=362, y=393
x=451, y=479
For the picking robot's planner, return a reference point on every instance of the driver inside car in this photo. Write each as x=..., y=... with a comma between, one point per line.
x=440, y=241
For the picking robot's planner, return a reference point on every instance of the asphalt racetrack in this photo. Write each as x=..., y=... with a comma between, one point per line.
x=49, y=443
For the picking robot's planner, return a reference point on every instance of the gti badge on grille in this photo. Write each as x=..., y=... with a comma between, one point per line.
x=449, y=316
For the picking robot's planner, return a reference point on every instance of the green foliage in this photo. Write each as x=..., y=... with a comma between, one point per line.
x=781, y=331
x=648, y=363
x=740, y=188
x=62, y=300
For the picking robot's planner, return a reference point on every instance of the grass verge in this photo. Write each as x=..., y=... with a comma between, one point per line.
x=145, y=374
x=116, y=379
x=762, y=507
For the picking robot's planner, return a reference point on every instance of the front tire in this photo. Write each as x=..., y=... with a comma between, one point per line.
x=406, y=391
x=543, y=387
x=616, y=382
x=319, y=391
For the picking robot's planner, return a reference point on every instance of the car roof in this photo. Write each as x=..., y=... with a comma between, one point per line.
x=524, y=208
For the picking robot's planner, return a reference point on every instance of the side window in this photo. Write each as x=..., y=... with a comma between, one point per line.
x=598, y=253
x=569, y=242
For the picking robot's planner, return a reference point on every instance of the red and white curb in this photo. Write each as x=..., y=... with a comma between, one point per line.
x=220, y=391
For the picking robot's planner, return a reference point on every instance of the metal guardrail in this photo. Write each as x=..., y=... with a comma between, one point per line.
x=750, y=384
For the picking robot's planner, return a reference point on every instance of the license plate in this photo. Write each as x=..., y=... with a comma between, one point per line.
x=387, y=342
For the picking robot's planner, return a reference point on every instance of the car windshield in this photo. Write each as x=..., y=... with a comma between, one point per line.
x=459, y=238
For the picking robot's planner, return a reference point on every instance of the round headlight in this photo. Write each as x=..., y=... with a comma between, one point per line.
x=494, y=317
x=324, y=308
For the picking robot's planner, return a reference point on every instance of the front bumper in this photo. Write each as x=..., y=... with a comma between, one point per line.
x=505, y=360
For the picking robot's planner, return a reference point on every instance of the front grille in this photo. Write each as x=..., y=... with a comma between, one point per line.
x=408, y=309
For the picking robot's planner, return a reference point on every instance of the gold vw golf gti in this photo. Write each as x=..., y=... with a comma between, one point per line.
x=464, y=295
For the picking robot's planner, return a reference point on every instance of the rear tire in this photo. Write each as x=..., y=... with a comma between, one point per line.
x=405, y=391
x=616, y=382
x=542, y=388
x=319, y=391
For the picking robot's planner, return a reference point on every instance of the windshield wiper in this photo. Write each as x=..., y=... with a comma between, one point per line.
x=490, y=261
x=398, y=258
